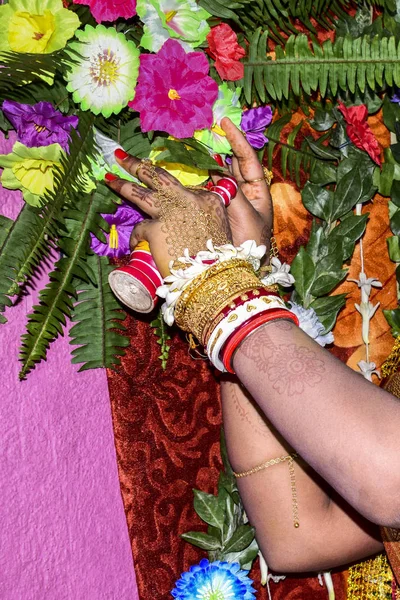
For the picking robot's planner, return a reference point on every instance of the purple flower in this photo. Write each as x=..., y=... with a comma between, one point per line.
x=39, y=124
x=396, y=96
x=254, y=121
x=121, y=225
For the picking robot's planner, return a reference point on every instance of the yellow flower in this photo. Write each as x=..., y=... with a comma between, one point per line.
x=35, y=26
x=31, y=170
x=188, y=176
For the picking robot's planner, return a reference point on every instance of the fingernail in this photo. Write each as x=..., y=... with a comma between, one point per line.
x=218, y=159
x=110, y=177
x=121, y=154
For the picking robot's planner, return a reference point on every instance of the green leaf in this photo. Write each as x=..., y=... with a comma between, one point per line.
x=393, y=318
x=201, y=540
x=386, y=175
x=208, y=509
x=97, y=314
x=393, y=244
x=56, y=300
x=317, y=246
x=245, y=558
x=327, y=309
x=303, y=270
x=187, y=151
x=326, y=281
x=321, y=151
x=395, y=193
x=318, y=201
x=241, y=539
x=348, y=232
x=323, y=173
x=5, y=226
x=391, y=113
x=347, y=193
x=323, y=120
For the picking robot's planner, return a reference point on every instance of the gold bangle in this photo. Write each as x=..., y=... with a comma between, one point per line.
x=270, y=463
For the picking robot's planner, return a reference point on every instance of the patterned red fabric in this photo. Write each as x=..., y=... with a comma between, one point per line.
x=167, y=427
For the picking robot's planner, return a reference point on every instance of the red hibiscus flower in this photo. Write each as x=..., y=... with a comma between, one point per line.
x=359, y=131
x=225, y=50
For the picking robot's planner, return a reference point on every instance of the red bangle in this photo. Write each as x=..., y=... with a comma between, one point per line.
x=253, y=323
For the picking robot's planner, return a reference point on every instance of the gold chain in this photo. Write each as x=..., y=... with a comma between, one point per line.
x=275, y=461
x=183, y=219
x=393, y=360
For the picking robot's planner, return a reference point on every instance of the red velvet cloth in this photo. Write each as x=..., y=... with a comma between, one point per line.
x=167, y=427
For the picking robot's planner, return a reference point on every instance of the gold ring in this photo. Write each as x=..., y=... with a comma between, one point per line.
x=144, y=162
x=267, y=177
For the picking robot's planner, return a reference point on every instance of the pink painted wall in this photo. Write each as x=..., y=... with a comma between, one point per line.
x=63, y=530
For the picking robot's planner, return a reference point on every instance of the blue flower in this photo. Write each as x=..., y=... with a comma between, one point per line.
x=214, y=581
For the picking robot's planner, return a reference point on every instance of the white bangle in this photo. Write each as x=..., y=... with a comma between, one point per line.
x=235, y=319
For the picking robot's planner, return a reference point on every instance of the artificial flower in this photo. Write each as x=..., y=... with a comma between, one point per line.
x=121, y=225
x=223, y=47
x=104, y=79
x=279, y=274
x=184, y=20
x=185, y=174
x=39, y=124
x=179, y=279
x=36, y=27
x=226, y=105
x=366, y=308
x=311, y=325
x=110, y=10
x=174, y=92
x=359, y=131
x=105, y=160
x=214, y=581
x=31, y=170
x=368, y=369
x=253, y=124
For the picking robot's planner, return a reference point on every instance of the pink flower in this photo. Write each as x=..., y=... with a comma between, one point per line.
x=110, y=10
x=174, y=92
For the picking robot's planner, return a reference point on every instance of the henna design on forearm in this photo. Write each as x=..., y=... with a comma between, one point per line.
x=289, y=367
x=252, y=417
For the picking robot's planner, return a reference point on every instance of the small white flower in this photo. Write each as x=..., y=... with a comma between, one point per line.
x=368, y=369
x=365, y=283
x=311, y=325
x=279, y=274
x=367, y=311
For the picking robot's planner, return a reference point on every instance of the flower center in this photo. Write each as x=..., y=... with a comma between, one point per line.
x=39, y=128
x=217, y=129
x=113, y=240
x=104, y=68
x=218, y=595
x=173, y=95
x=170, y=15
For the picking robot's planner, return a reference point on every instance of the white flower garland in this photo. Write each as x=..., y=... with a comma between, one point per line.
x=179, y=279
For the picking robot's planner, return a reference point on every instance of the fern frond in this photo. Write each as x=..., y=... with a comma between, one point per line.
x=18, y=69
x=309, y=67
x=279, y=17
x=57, y=298
x=97, y=314
x=35, y=231
x=295, y=155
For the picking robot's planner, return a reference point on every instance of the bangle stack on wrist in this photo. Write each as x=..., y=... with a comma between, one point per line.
x=224, y=301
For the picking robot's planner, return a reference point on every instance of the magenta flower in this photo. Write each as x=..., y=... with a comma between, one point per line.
x=174, y=92
x=39, y=124
x=121, y=224
x=253, y=123
x=110, y=10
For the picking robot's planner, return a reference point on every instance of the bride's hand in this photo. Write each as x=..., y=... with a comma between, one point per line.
x=250, y=212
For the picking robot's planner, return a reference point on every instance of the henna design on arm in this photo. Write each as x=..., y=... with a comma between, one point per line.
x=290, y=368
x=253, y=418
